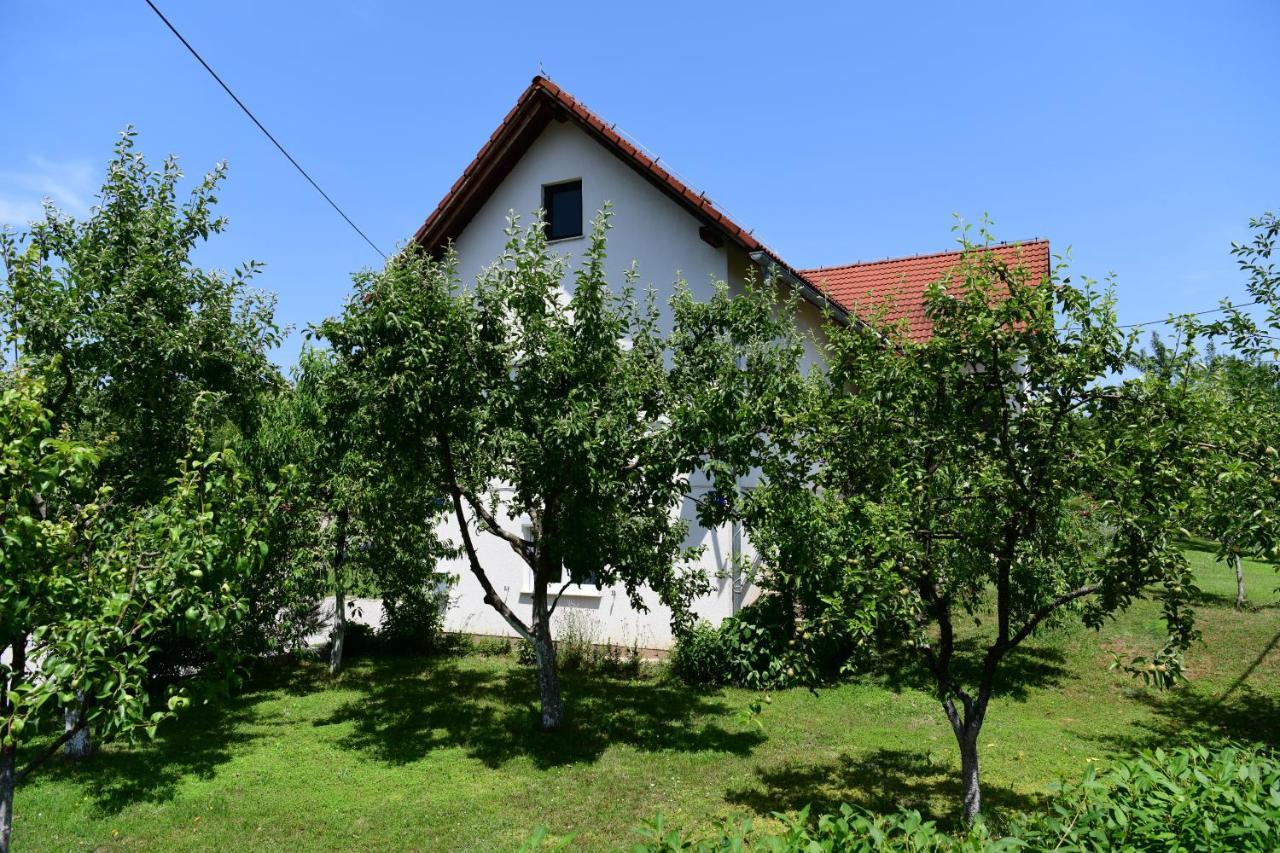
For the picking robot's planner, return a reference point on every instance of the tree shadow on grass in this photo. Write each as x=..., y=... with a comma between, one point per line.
x=1226, y=601
x=192, y=745
x=1194, y=714
x=1026, y=669
x=410, y=707
x=881, y=780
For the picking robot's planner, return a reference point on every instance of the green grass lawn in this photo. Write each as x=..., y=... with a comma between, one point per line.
x=445, y=753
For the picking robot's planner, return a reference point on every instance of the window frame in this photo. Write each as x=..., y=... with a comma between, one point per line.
x=552, y=187
x=575, y=590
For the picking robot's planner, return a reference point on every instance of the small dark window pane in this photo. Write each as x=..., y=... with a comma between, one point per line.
x=563, y=204
x=582, y=574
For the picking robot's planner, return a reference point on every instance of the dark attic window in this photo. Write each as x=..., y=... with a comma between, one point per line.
x=563, y=205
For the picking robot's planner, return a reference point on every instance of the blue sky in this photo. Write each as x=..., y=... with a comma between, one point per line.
x=1141, y=135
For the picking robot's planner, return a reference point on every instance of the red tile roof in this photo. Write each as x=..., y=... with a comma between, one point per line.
x=845, y=287
x=899, y=284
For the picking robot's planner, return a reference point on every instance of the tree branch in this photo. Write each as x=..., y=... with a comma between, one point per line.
x=518, y=543
x=490, y=594
x=53, y=747
x=1044, y=612
x=557, y=598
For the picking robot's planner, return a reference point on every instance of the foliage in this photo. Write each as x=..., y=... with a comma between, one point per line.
x=761, y=647
x=1001, y=455
x=490, y=647
x=1183, y=798
x=88, y=598
x=147, y=357
x=146, y=354
x=1245, y=333
x=353, y=522
x=413, y=622
x=852, y=829
x=361, y=640
x=1186, y=798
x=1238, y=491
x=699, y=657
x=1239, y=481
x=1238, y=473
x=522, y=402
x=1237, y=504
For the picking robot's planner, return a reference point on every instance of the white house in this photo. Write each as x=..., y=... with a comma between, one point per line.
x=551, y=152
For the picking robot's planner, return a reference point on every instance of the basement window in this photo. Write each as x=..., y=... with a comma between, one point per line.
x=562, y=204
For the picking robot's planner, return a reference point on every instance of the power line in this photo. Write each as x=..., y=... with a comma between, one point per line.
x=1187, y=314
x=254, y=119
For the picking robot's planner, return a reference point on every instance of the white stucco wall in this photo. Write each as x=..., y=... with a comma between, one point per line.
x=661, y=238
x=648, y=228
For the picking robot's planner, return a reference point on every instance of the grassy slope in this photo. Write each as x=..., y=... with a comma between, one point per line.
x=444, y=754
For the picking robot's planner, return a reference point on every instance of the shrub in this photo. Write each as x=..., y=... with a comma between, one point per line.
x=526, y=654
x=853, y=830
x=359, y=640
x=699, y=657
x=413, y=620
x=491, y=647
x=1190, y=798
x=760, y=648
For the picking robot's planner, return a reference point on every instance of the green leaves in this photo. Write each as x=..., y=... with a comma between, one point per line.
x=146, y=356
x=87, y=598
x=559, y=394
x=1186, y=798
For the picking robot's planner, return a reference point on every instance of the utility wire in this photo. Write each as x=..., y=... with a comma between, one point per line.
x=254, y=119
x=1187, y=314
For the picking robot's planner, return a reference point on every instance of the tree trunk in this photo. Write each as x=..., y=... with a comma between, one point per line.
x=339, y=595
x=968, y=740
x=80, y=746
x=9, y=752
x=548, y=677
x=1238, y=564
x=7, y=783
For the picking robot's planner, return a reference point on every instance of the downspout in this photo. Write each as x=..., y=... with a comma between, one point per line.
x=736, y=588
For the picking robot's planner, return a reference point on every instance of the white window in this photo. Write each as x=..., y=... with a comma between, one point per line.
x=587, y=585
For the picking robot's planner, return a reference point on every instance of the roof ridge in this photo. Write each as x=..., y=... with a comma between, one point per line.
x=924, y=255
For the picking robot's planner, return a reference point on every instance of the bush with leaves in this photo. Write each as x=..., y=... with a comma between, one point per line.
x=851, y=830
x=1185, y=798
x=413, y=620
x=145, y=353
x=87, y=598
x=698, y=657
x=760, y=648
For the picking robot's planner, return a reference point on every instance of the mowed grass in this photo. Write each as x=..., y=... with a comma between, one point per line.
x=445, y=753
